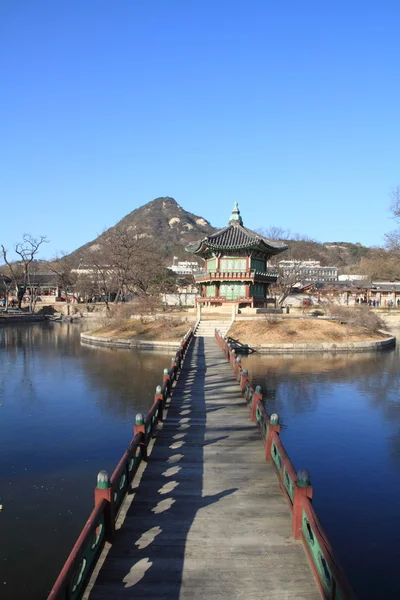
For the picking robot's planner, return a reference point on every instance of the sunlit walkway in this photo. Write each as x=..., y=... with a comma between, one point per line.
x=208, y=519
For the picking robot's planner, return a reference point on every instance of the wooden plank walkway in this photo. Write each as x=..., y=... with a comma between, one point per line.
x=208, y=519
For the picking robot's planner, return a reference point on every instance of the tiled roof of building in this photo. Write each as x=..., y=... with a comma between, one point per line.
x=236, y=237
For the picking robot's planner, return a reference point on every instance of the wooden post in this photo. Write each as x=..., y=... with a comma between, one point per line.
x=173, y=368
x=237, y=367
x=167, y=380
x=159, y=396
x=303, y=489
x=273, y=425
x=139, y=427
x=232, y=358
x=244, y=378
x=103, y=491
x=256, y=397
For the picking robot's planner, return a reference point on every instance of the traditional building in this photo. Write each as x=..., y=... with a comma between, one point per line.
x=236, y=265
x=308, y=270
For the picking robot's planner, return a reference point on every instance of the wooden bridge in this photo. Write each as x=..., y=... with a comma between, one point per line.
x=198, y=507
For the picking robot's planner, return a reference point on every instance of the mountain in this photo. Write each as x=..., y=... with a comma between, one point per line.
x=166, y=222
x=172, y=228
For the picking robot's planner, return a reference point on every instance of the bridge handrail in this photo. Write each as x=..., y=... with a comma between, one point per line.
x=125, y=471
x=110, y=492
x=295, y=486
x=69, y=584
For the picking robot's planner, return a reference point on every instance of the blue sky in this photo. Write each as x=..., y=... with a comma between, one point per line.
x=292, y=108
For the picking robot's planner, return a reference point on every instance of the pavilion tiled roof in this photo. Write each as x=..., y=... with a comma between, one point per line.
x=236, y=237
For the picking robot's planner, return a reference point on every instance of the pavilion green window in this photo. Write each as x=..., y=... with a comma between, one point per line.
x=258, y=264
x=257, y=290
x=210, y=290
x=230, y=265
x=233, y=290
x=212, y=265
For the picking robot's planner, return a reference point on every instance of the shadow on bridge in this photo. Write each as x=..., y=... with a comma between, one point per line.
x=147, y=557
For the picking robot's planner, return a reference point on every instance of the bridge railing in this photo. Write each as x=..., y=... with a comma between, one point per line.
x=296, y=487
x=110, y=492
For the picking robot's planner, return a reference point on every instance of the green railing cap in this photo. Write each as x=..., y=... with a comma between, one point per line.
x=258, y=389
x=245, y=372
x=166, y=371
x=158, y=389
x=274, y=419
x=103, y=481
x=238, y=360
x=139, y=419
x=303, y=478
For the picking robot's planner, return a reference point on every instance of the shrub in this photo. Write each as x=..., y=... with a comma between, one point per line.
x=360, y=316
x=273, y=320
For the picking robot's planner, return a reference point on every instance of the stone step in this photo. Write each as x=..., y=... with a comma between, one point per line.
x=207, y=328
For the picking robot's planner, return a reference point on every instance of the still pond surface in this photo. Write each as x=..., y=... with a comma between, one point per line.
x=67, y=411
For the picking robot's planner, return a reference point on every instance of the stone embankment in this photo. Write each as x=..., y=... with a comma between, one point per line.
x=113, y=342
x=374, y=346
x=13, y=319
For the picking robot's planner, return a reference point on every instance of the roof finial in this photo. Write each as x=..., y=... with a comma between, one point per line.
x=235, y=216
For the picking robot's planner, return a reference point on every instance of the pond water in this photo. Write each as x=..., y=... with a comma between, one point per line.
x=341, y=421
x=67, y=412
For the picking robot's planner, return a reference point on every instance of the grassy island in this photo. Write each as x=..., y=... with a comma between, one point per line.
x=299, y=331
x=165, y=330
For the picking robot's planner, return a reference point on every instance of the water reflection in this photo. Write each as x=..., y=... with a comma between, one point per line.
x=291, y=378
x=341, y=420
x=66, y=412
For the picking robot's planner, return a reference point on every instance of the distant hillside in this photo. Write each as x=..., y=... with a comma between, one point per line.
x=166, y=222
x=343, y=255
x=172, y=228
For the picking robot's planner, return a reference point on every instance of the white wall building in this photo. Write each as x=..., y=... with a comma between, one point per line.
x=309, y=270
x=347, y=277
x=184, y=267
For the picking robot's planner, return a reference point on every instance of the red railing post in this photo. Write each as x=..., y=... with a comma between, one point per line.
x=103, y=491
x=237, y=367
x=273, y=425
x=167, y=380
x=232, y=358
x=160, y=396
x=256, y=397
x=139, y=427
x=302, y=489
x=244, y=378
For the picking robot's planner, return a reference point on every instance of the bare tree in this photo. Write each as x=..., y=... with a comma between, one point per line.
x=62, y=266
x=127, y=263
x=301, y=248
x=288, y=276
x=393, y=237
x=383, y=265
x=6, y=284
x=21, y=271
x=276, y=233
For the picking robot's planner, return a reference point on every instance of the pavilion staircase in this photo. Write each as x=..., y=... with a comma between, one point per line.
x=206, y=328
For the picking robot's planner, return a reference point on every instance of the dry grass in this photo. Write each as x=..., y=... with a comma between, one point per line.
x=167, y=330
x=298, y=331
